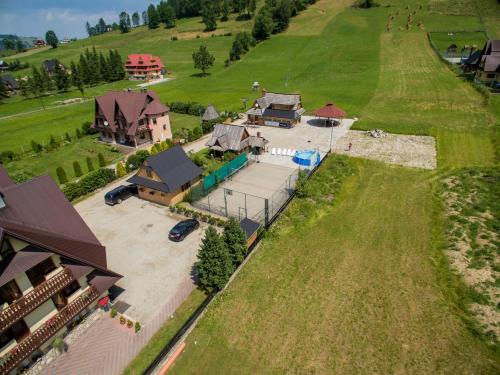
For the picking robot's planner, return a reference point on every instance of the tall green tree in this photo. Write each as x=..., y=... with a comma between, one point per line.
x=125, y=24
x=145, y=18
x=153, y=18
x=209, y=15
x=263, y=26
x=8, y=43
x=46, y=80
x=101, y=26
x=136, y=19
x=202, y=59
x=83, y=69
x=225, y=9
x=90, y=166
x=61, y=175
x=37, y=85
x=236, y=242
x=20, y=46
x=61, y=78
x=104, y=71
x=22, y=86
x=77, y=169
x=166, y=14
x=214, y=264
x=51, y=39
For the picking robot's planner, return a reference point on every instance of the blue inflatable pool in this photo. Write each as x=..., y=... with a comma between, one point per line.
x=306, y=158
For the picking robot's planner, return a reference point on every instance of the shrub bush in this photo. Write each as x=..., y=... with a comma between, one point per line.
x=90, y=166
x=89, y=183
x=190, y=108
x=77, y=169
x=174, y=38
x=67, y=137
x=100, y=158
x=135, y=161
x=113, y=313
x=120, y=170
x=137, y=327
x=7, y=156
x=86, y=129
x=122, y=319
x=61, y=175
x=36, y=147
x=78, y=133
x=129, y=323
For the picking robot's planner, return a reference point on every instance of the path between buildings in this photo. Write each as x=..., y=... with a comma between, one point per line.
x=108, y=347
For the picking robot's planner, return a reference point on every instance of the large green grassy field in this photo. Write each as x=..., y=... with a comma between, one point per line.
x=363, y=285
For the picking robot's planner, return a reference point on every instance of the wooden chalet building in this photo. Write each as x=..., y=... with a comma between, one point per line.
x=488, y=64
x=144, y=67
x=50, y=66
x=275, y=109
x=165, y=178
x=131, y=118
x=234, y=138
x=53, y=269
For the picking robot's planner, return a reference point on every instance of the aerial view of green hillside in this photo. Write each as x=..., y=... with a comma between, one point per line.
x=380, y=256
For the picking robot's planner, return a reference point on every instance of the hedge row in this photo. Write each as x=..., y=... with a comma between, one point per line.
x=89, y=183
x=206, y=218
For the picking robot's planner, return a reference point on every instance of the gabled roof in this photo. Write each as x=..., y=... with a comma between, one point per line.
x=270, y=98
x=143, y=59
x=10, y=81
x=491, y=64
x=50, y=65
x=133, y=106
x=38, y=213
x=210, y=114
x=173, y=167
x=228, y=137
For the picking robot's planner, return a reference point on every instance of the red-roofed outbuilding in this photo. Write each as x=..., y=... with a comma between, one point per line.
x=144, y=67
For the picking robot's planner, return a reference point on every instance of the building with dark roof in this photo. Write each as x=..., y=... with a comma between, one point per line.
x=11, y=83
x=165, y=178
x=275, y=109
x=131, y=118
x=488, y=64
x=235, y=138
x=53, y=269
x=50, y=66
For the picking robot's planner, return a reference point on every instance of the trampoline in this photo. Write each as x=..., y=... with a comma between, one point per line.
x=307, y=158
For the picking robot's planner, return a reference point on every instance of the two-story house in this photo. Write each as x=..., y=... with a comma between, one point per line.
x=488, y=64
x=131, y=118
x=165, y=178
x=275, y=109
x=144, y=67
x=53, y=269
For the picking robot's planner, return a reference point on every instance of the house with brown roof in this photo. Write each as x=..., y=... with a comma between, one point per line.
x=234, y=138
x=144, y=67
x=165, y=178
x=53, y=269
x=276, y=109
x=131, y=118
x=488, y=64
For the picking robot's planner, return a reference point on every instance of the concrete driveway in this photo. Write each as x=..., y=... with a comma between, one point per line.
x=135, y=235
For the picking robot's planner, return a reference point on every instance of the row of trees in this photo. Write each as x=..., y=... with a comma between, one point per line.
x=220, y=255
x=13, y=44
x=77, y=168
x=91, y=69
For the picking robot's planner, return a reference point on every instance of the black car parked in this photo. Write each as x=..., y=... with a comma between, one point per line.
x=182, y=229
x=122, y=192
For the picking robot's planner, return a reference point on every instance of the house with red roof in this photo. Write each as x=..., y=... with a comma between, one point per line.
x=131, y=118
x=144, y=67
x=53, y=270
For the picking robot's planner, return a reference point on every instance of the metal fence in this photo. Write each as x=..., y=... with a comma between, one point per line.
x=225, y=171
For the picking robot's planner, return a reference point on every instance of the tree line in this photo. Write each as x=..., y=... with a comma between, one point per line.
x=91, y=69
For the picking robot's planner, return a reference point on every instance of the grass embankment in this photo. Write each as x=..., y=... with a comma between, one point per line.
x=344, y=289
x=165, y=334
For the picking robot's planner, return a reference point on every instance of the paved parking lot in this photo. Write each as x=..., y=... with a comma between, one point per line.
x=135, y=235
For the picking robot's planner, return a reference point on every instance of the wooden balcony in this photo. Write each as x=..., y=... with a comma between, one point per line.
x=46, y=331
x=27, y=303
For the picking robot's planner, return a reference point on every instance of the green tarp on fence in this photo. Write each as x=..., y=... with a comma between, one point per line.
x=225, y=171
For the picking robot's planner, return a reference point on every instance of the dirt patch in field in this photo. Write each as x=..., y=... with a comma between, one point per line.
x=406, y=150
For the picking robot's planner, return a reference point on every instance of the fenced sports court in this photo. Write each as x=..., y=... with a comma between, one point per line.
x=257, y=191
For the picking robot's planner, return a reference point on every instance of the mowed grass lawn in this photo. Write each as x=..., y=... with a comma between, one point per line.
x=353, y=289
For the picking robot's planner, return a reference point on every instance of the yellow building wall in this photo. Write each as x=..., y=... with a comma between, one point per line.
x=40, y=315
x=159, y=133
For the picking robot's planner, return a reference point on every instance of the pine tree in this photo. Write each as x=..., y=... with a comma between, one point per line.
x=61, y=175
x=144, y=18
x=77, y=169
x=90, y=166
x=116, y=66
x=61, y=78
x=124, y=22
x=120, y=170
x=225, y=9
x=100, y=158
x=46, y=80
x=214, y=264
x=104, y=68
x=37, y=85
x=136, y=20
x=153, y=18
x=83, y=70
x=96, y=69
x=235, y=240
x=263, y=26
x=22, y=86
x=51, y=39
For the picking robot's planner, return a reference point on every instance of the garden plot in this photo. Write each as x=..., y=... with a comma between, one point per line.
x=406, y=150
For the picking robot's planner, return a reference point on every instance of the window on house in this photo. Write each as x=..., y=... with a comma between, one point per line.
x=17, y=331
x=186, y=186
x=37, y=273
x=149, y=173
x=152, y=192
x=154, y=120
x=10, y=292
x=164, y=127
x=70, y=289
x=490, y=76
